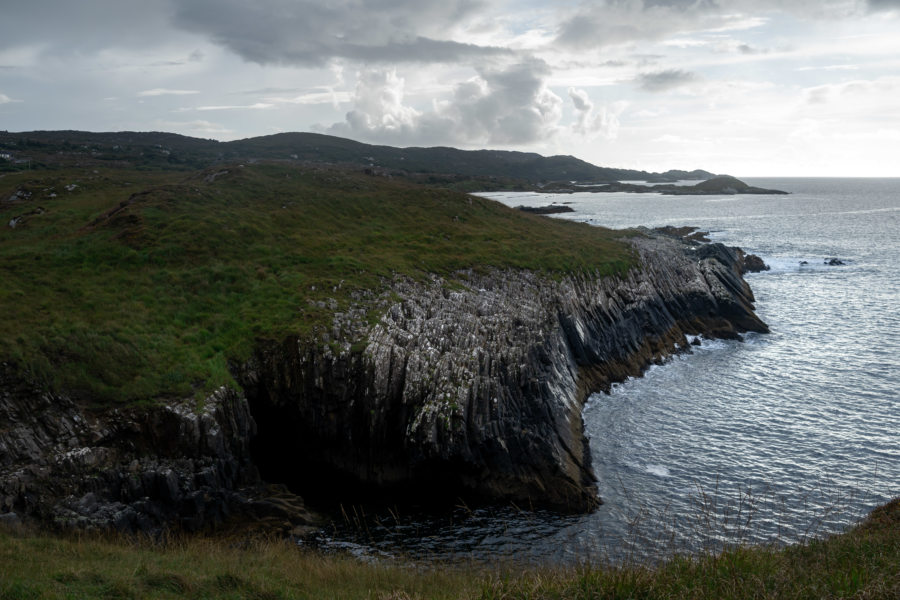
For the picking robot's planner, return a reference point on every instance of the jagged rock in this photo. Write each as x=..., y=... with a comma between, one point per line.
x=685, y=233
x=751, y=263
x=834, y=262
x=477, y=390
x=136, y=469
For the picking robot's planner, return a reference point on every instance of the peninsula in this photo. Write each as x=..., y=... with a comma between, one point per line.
x=190, y=346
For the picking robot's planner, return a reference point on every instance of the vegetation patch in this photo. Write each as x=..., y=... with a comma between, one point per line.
x=131, y=285
x=861, y=563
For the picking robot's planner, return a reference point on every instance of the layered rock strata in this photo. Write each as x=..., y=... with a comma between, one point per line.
x=465, y=387
x=474, y=387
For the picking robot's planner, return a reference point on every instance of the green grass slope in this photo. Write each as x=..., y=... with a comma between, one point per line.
x=863, y=563
x=125, y=285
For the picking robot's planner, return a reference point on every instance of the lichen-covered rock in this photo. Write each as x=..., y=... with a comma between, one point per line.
x=474, y=387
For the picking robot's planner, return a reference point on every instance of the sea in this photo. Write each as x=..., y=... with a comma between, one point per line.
x=777, y=439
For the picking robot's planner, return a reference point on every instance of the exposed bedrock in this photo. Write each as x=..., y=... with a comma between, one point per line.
x=440, y=389
x=147, y=469
x=476, y=390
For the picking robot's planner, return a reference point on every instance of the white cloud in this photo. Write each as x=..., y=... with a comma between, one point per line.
x=507, y=104
x=257, y=106
x=4, y=99
x=166, y=92
x=591, y=121
x=853, y=95
x=322, y=97
x=378, y=105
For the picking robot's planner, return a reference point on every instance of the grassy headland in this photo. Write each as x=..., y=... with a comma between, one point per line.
x=862, y=563
x=125, y=285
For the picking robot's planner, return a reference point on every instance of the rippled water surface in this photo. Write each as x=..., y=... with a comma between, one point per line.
x=777, y=438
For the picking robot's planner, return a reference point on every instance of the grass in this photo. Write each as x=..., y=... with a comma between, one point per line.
x=862, y=563
x=154, y=299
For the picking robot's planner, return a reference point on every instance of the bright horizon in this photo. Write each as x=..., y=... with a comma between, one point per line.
x=753, y=89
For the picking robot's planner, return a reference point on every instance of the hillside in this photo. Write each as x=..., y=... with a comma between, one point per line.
x=446, y=166
x=175, y=274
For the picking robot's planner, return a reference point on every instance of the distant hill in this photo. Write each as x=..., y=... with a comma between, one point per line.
x=168, y=150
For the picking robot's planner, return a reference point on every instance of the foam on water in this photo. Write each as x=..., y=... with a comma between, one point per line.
x=658, y=470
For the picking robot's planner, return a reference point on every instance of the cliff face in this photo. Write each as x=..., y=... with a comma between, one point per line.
x=137, y=469
x=445, y=390
x=477, y=390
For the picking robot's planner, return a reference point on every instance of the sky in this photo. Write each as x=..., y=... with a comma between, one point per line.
x=746, y=87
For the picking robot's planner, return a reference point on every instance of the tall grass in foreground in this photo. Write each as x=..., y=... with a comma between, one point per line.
x=862, y=563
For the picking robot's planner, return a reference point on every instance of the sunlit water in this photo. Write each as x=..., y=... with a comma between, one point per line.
x=774, y=439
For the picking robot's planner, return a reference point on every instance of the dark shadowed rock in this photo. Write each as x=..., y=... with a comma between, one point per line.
x=550, y=209
x=137, y=469
x=751, y=263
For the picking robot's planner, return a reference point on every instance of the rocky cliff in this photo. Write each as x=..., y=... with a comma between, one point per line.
x=474, y=388
x=177, y=465
x=470, y=386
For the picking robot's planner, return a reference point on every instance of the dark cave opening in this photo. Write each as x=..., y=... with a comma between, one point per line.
x=330, y=472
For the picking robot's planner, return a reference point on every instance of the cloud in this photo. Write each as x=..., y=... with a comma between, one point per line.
x=506, y=105
x=166, y=92
x=598, y=24
x=85, y=26
x=199, y=127
x=311, y=32
x=883, y=5
x=257, y=106
x=324, y=96
x=665, y=80
x=4, y=99
x=592, y=122
x=604, y=23
x=854, y=94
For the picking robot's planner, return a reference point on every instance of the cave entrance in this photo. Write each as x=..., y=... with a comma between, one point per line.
x=328, y=471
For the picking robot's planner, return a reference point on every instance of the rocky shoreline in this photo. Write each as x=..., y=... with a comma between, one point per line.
x=469, y=387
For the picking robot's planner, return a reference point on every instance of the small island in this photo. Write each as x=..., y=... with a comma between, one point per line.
x=715, y=186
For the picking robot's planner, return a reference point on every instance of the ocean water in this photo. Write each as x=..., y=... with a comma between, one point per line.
x=775, y=439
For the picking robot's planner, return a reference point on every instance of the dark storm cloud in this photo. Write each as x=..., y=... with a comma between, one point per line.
x=311, y=32
x=662, y=81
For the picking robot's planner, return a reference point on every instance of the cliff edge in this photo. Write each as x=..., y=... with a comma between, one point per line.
x=476, y=390
x=439, y=388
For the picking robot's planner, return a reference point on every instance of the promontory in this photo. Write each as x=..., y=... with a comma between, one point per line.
x=190, y=346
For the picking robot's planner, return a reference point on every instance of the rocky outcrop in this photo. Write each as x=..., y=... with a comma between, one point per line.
x=469, y=386
x=474, y=387
x=146, y=469
x=550, y=209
